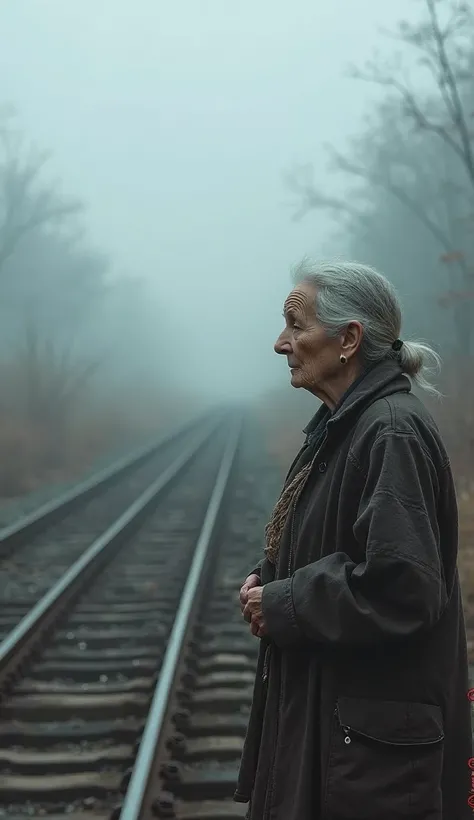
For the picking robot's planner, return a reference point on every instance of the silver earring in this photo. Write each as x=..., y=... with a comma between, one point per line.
x=342, y=359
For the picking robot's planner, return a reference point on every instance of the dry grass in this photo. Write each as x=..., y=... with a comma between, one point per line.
x=455, y=416
x=58, y=416
x=21, y=454
x=57, y=419
x=466, y=565
x=33, y=456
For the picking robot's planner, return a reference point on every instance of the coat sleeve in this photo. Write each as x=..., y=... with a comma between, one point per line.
x=257, y=569
x=399, y=589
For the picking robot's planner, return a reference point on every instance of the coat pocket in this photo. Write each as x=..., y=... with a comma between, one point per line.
x=385, y=761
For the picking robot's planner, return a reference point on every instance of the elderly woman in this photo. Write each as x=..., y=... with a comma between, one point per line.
x=360, y=707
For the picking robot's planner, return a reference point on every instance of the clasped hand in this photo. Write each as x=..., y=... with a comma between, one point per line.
x=251, y=605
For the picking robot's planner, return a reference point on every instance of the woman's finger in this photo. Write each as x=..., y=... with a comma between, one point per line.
x=244, y=593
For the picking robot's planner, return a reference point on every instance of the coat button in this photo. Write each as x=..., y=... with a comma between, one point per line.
x=322, y=466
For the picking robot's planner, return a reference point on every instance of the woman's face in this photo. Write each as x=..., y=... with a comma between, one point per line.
x=313, y=357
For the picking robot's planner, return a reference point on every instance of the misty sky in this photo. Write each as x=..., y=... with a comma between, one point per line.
x=175, y=122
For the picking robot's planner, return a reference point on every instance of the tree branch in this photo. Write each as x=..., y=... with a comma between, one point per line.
x=25, y=205
x=431, y=39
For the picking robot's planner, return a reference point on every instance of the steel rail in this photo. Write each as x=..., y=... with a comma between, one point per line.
x=28, y=525
x=35, y=625
x=139, y=783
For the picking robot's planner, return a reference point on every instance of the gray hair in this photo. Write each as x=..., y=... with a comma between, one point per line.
x=348, y=292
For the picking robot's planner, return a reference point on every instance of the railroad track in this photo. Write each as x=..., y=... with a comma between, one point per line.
x=125, y=691
x=38, y=548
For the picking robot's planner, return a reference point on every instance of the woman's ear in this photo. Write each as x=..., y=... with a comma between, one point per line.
x=352, y=339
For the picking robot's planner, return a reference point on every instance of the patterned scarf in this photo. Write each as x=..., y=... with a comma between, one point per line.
x=288, y=497
x=292, y=492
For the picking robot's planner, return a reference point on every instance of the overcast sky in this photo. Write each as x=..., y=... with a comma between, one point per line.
x=175, y=122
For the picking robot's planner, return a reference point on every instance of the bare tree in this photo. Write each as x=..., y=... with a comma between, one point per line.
x=387, y=162
x=51, y=380
x=26, y=202
x=398, y=153
x=443, y=41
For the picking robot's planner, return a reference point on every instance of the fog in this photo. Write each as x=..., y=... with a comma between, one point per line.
x=197, y=150
x=175, y=123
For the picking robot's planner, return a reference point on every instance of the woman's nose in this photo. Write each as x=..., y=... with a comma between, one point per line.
x=282, y=345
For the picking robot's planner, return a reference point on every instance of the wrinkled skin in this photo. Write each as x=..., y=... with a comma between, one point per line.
x=313, y=356
x=251, y=605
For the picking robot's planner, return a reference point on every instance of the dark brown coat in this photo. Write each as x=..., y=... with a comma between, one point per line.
x=360, y=708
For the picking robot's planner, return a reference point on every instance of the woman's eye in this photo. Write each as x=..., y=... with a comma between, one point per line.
x=296, y=327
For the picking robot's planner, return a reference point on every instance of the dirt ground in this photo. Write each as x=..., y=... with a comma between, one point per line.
x=466, y=566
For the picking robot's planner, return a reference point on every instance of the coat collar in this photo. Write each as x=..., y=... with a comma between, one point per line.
x=380, y=380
